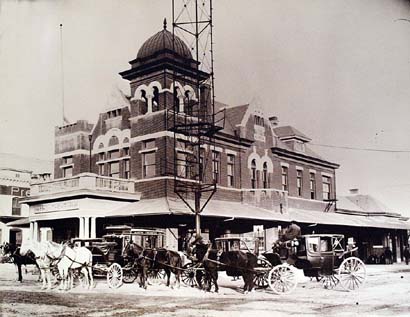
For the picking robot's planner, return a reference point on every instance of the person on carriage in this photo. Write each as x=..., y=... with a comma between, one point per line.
x=191, y=248
x=293, y=231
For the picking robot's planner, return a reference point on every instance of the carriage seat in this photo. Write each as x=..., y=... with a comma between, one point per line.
x=105, y=247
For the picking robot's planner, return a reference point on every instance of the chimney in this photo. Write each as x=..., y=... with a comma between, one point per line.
x=274, y=121
x=354, y=191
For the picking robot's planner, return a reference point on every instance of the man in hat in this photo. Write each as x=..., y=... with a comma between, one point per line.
x=292, y=231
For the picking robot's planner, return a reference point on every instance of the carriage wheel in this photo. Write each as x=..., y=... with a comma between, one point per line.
x=156, y=275
x=282, y=279
x=352, y=273
x=262, y=272
x=128, y=275
x=114, y=275
x=188, y=275
x=329, y=281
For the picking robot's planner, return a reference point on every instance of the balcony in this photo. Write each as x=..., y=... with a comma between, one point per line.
x=267, y=198
x=84, y=181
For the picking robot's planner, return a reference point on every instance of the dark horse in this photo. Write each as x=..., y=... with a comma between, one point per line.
x=154, y=260
x=235, y=263
x=18, y=259
x=135, y=253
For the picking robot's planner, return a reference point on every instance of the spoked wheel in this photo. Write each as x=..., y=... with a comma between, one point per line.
x=114, y=275
x=329, y=281
x=188, y=275
x=129, y=275
x=282, y=279
x=352, y=273
x=156, y=275
x=262, y=272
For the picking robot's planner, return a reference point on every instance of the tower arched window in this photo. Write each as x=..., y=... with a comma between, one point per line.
x=155, y=99
x=144, y=106
x=253, y=174
x=265, y=179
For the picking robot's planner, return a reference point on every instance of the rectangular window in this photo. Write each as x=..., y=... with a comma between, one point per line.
x=16, y=208
x=68, y=171
x=202, y=164
x=285, y=178
x=114, y=154
x=231, y=170
x=101, y=169
x=312, y=182
x=299, y=181
x=148, y=168
x=126, y=151
x=148, y=144
x=326, y=187
x=216, y=165
x=126, y=169
x=67, y=160
x=182, y=170
x=101, y=156
x=114, y=169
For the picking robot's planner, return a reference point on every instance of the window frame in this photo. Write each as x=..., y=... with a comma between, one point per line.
x=299, y=182
x=285, y=178
x=216, y=166
x=230, y=170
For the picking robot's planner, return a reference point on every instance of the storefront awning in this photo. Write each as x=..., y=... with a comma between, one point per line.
x=334, y=218
x=215, y=208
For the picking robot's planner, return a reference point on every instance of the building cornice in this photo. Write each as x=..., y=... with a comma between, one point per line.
x=303, y=158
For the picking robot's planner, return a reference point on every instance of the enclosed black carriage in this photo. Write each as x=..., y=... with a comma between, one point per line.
x=323, y=256
x=108, y=256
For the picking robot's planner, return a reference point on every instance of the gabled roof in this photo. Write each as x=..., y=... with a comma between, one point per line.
x=289, y=132
x=233, y=116
x=368, y=203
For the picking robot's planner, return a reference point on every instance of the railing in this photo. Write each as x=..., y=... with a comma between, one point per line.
x=85, y=181
x=271, y=199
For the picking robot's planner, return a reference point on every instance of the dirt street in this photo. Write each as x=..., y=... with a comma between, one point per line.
x=386, y=293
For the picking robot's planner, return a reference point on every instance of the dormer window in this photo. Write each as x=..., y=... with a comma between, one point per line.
x=259, y=121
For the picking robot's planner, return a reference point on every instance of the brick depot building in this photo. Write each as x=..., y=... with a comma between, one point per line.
x=120, y=169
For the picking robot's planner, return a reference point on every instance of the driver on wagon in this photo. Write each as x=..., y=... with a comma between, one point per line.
x=191, y=250
x=293, y=231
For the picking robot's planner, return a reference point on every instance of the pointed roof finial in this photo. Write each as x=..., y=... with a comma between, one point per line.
x=165, y=23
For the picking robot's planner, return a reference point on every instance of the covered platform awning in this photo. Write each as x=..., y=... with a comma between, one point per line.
x=20, y=223
x=7, y=219
x=344, y=219
x=215, y=208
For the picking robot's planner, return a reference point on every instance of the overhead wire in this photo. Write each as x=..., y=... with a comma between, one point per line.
x=360, y=148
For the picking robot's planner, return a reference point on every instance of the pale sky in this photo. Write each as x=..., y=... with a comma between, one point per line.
x=337, y=70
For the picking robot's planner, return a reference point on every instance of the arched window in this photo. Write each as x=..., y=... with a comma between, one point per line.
x=265, y=179
x=113, y=141
x=155, y=99
x=101, y=145
x=253, y=174
x=144, y=106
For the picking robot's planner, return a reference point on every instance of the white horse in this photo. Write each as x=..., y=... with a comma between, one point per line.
x=69, y=259
x=43, y=260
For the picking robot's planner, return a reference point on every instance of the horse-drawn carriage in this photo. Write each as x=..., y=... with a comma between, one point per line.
x=322, y=256
x=109, y=259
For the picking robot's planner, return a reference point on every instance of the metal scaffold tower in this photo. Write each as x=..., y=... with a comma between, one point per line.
x=194, y=120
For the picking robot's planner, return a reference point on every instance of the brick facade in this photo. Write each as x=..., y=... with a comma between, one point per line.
x=120, y=137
